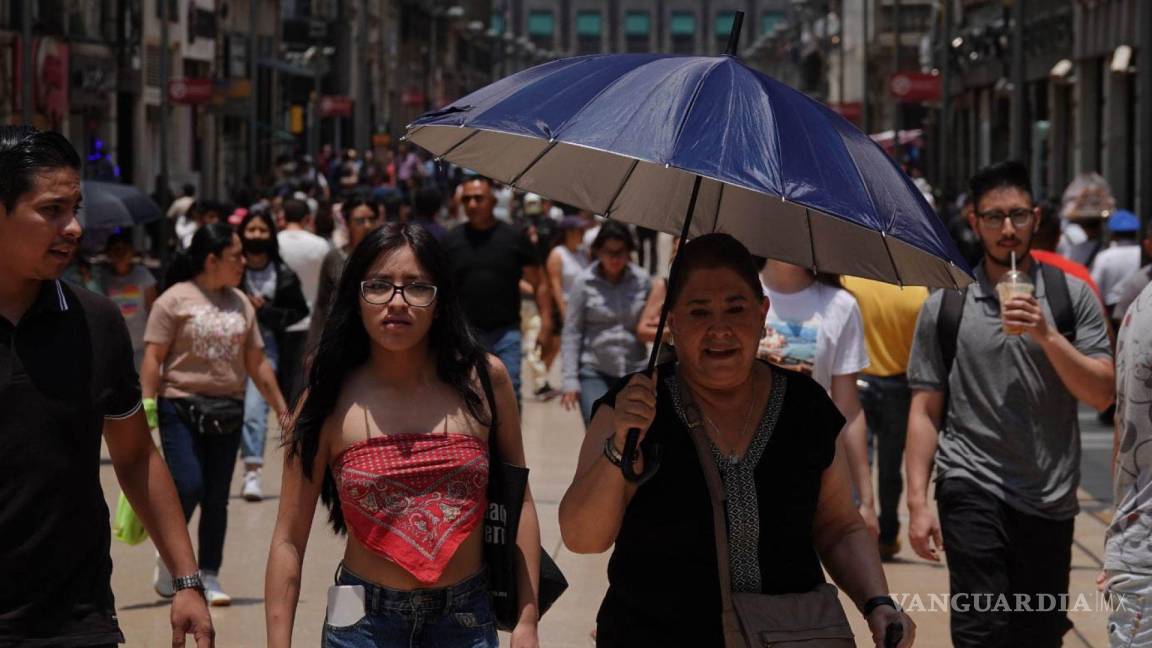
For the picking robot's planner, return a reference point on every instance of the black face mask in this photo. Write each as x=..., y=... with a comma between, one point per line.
x=257, y=246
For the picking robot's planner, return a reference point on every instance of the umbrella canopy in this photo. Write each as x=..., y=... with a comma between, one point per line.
x=629, y=135
x=108, y=205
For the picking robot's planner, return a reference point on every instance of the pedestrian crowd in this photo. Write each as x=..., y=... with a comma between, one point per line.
x=381, y=310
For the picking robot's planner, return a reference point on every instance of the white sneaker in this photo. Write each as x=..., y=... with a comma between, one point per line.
x=213, y=592
x=251, y=490
x=162, y=579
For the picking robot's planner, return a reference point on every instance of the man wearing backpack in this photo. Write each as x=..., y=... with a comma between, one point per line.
x=997, y=413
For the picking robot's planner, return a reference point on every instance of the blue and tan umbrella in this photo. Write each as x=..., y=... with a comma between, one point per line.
x=697, y=144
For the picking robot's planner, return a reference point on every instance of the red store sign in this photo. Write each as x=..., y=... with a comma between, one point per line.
x=190, y=91
x=335, y=106
x=914, y=87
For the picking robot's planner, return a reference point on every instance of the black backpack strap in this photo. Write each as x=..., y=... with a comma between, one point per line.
x=1059, y=300
x=948, y=326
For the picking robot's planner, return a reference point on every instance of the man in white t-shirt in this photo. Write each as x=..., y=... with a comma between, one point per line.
x=304, y=253
x=1122, y=257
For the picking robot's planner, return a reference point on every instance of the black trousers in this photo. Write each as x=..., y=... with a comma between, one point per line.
x=885, y=402
x=992, y=550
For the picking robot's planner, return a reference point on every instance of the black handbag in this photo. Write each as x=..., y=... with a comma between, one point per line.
x=210, y=416
x=506, y=486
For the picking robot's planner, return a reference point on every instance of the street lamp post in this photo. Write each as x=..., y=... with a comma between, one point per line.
x=1019, y=136
x=162, y=188
x=944, y=52
x=26, y=63
x=253, y=104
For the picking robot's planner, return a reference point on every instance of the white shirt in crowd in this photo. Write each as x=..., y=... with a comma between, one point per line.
x=1112, y=266
x=820, y=325
x=304, y=253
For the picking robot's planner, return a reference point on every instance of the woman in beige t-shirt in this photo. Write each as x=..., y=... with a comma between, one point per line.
x=202, y=344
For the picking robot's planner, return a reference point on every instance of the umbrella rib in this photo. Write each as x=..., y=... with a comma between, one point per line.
x=620, y=189
x=716, y=214
x=892, y=260
x=457, y=145
x=811, y=239
x=551, y=145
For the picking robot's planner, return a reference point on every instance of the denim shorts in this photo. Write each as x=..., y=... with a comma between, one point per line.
x=459, y=616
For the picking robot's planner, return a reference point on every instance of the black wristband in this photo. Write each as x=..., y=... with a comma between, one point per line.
x=871, y=604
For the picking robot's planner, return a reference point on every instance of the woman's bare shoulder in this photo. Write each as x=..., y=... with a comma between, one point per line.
x=498, y=372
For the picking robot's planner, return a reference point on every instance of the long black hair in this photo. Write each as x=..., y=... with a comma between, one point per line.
x=270, y=223
x=345, y=345
x=210, y=239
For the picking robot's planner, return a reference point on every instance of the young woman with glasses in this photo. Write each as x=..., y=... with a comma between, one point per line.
x=392, y=434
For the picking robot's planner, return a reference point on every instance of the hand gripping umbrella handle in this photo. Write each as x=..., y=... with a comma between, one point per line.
x=651, y=460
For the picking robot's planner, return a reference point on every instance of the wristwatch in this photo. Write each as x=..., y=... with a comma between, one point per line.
x=188, y=582
x=876, y=601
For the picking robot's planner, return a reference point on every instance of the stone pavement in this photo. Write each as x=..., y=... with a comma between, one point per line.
x=552, y=439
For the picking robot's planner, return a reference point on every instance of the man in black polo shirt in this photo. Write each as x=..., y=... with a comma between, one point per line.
x=489, y=259
x=66, y=376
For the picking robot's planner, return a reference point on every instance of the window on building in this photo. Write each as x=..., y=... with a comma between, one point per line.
x=637, y=31
x=542, y=29
x=913, y=18
x=88, y=20
x=682, y=30
x=496, y=24
x=770, y=20
x=589, y=32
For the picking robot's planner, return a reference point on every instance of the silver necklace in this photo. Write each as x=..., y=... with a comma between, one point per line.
x=733, y=457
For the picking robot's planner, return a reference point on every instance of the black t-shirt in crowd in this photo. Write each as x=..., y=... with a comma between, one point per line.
x=663, y=565
x=65, y=368
x=488, y=265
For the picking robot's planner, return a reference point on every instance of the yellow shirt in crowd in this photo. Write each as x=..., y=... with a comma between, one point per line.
x=889, y=313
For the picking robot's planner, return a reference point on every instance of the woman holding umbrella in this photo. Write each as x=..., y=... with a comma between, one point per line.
x=771, y=435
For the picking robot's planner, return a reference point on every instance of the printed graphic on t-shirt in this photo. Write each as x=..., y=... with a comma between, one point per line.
x=792, y=339
x=130, y=299
x=216, y=335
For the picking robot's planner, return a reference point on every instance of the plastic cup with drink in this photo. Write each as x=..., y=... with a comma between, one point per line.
x=1014, y=283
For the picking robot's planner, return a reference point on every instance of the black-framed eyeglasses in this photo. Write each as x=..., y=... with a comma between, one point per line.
x=381, y=291
x=994, y=219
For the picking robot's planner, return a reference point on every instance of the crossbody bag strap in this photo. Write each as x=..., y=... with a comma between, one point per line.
x=733, y=635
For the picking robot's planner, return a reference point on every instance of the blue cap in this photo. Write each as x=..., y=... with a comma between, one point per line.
x=1123, y=220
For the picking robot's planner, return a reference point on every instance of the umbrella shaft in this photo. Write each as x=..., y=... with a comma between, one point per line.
x=667, y=302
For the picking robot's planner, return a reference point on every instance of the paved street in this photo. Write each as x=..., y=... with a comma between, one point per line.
x=552, y=438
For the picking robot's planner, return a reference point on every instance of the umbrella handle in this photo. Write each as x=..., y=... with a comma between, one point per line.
x=651, y=459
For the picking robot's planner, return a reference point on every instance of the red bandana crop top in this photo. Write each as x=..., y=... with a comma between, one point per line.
x=414, y=498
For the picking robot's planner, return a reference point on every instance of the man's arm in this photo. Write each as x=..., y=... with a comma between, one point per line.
x=264, y=377
x=1092, y=380
x=555, y=269
x=147, y=483
x=534, y=276
x=924, y=419
x=855, y=439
